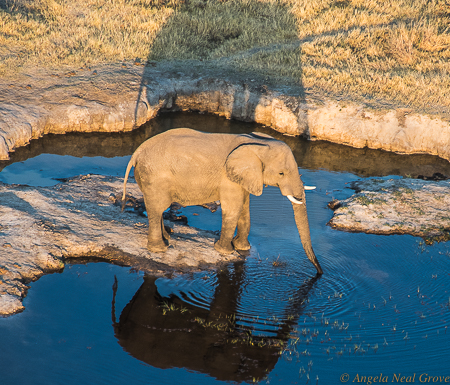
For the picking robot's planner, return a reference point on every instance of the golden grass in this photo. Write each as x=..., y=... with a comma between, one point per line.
x=77, y=32
x=395, y=52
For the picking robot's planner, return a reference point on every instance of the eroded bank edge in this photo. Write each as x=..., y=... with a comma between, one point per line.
x=142, y=94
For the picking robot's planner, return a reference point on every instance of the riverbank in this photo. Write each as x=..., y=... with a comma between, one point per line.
x=79, y=219
x=120, y=97
x=348, y=72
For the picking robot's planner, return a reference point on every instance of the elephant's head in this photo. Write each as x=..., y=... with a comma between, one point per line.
x=270, y=162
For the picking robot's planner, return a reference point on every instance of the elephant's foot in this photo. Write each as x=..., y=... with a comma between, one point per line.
x=241, y=243
x=159, y=247
x=224, y=247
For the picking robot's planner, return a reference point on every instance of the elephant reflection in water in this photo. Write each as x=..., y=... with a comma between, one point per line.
x=199, y=339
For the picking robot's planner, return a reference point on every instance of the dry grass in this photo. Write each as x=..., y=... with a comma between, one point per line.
x=77, y=32
x=215, y=29
x=394, y=52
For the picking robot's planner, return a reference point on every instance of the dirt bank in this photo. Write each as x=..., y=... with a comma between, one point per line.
x=42, y=227
x=120, y=97
x=397, y=206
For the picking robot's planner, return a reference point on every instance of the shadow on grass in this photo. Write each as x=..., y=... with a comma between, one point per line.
x=221, y=48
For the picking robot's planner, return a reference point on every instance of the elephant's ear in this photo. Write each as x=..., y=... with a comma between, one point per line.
x=245, y=168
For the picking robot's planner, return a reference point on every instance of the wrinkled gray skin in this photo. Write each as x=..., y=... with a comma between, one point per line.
x=193, y=168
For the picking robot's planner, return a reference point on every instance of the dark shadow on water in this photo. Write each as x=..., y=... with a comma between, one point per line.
x=111, y=145
x=309, y=155
x=167, y=332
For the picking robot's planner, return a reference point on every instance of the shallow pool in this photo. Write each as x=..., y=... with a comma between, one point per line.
x=379, y=313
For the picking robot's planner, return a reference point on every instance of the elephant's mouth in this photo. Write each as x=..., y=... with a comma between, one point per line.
x=295, y=200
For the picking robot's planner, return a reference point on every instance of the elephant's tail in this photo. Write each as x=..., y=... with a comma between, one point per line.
x=131, y=163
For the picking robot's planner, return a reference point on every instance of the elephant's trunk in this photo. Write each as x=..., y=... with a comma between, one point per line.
x=301, y=219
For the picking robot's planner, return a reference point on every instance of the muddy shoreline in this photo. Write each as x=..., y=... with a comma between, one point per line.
x=43, y=227
x=121, y=97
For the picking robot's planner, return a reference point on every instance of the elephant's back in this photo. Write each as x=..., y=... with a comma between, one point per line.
x=184, y=150
x=188, y=135
x=185, y=142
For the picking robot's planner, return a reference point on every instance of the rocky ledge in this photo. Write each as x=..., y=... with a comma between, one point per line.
x=396, y=206
x=120, y=97
x=43, y=227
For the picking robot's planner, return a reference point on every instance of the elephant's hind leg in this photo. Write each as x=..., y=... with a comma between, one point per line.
x=155, y=204
x=158, y=237
x=240, y=241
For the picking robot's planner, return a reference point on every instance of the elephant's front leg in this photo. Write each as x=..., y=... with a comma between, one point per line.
x=240, y=241
x=232, y=202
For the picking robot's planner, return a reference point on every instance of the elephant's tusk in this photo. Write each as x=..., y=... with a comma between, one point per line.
x=310, y=187
x=293, y=200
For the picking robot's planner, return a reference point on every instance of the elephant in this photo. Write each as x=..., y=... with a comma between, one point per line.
x=193, y=168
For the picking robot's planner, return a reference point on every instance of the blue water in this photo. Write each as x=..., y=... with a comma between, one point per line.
x=381, y=308
x=45, y=169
